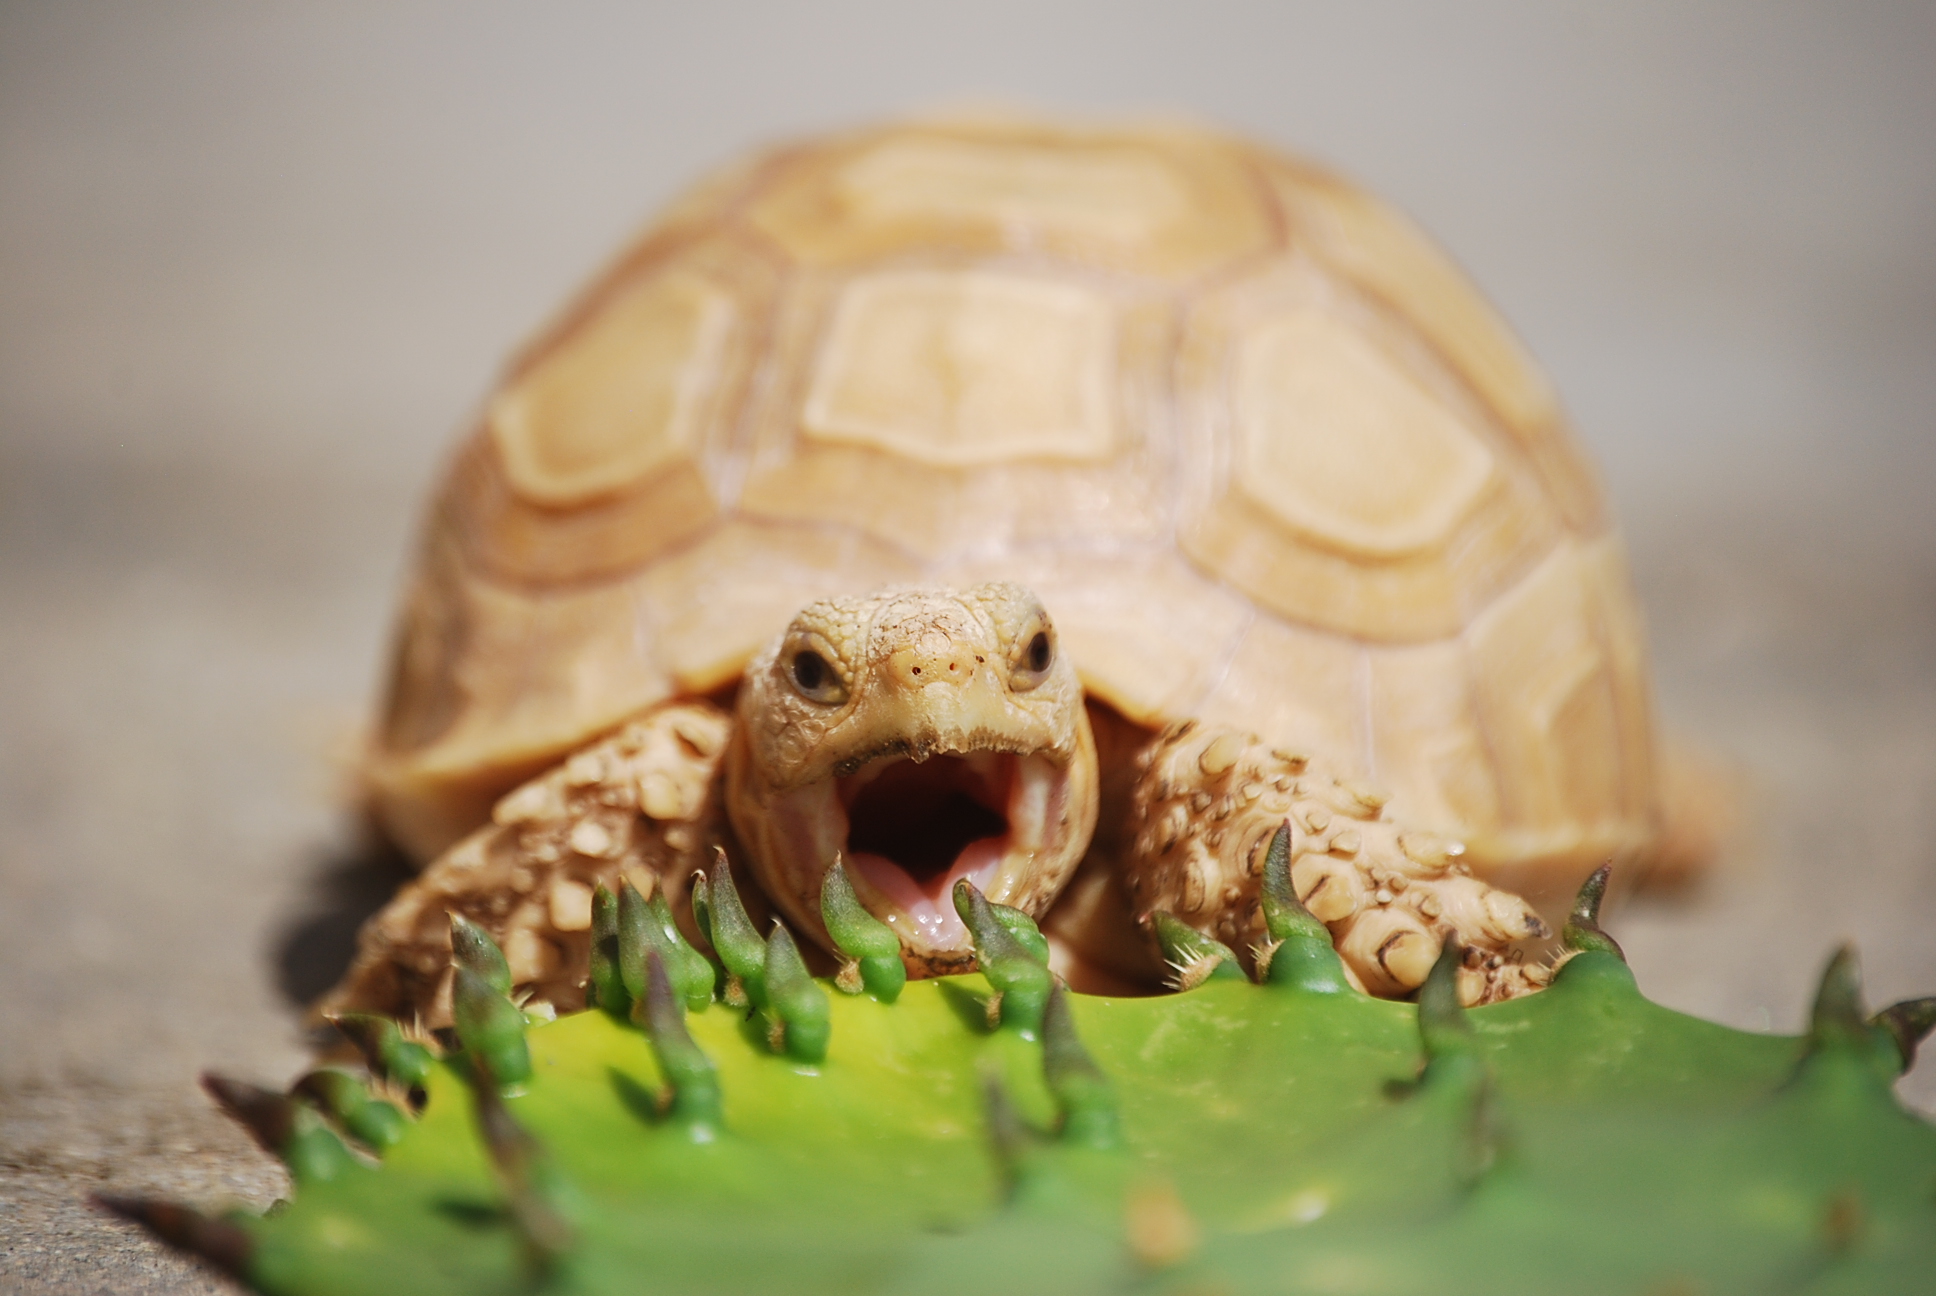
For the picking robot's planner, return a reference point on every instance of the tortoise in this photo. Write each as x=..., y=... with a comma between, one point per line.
x=1062, y=508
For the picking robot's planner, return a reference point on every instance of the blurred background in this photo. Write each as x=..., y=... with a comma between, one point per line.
x=259, y=264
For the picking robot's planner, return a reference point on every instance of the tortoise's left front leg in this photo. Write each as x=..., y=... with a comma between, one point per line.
x=642, y=805
x=1207, y=802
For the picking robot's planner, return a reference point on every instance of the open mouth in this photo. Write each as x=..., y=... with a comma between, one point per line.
x=915, y=828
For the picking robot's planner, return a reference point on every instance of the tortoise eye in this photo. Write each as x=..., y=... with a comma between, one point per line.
x=1040, y=652
x=816, y=680
x=1032, y=658
x=809, y=670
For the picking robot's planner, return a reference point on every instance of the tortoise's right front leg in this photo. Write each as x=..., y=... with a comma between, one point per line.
x=1206, y=804
x=641, y=805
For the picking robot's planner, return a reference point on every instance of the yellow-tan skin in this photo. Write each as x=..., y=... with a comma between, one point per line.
x=973, y=683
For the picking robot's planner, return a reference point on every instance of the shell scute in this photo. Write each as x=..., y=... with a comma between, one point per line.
x=1163, y=204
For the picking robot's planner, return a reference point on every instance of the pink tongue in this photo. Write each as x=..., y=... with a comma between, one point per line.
x=931, y=906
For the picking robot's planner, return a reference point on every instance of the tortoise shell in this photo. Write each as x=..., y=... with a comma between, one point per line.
x=1263, y=452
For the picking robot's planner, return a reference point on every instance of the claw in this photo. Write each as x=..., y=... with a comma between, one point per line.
x=1022, y=982
x=689, y=1073
x=1192, y=956
x=1583, y=932
x=869, y=942
x=1300, y=954
x=1082, y=1091
x=796, y=1006
x=490, y=1027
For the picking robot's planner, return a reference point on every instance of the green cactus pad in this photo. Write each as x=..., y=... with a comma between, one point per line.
x=1238, y=1138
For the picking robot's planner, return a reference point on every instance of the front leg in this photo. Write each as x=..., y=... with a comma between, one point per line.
x=641, y=805
x=1206, y=803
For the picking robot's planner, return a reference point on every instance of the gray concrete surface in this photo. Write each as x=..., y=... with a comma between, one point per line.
x=257, y=263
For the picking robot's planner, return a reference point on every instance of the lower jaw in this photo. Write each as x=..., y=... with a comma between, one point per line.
x=923, y=914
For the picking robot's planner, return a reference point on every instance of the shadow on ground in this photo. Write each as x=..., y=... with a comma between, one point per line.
x=347, y=886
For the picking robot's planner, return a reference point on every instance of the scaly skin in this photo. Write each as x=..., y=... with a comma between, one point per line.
x=925, y=736
x=1284, y=1137
x=876, y=687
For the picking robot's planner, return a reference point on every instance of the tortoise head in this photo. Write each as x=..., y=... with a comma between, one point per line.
x=929, y=736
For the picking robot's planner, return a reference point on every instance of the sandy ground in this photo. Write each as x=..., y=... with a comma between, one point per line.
x=255, y=266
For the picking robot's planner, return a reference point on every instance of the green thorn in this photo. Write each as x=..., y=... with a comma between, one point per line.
x=285, y=1128
x=1022, y=927
x=1442, y=1025
x=1300, y=954
x=472, y=947
x=1453, y=1064
x=491, y=1028
x=1907, y=1023
x=537, y=1192
x=689, y=1073
x=1583, y=931
x=796, y=1007
x=390, y=1056
x=692, y=973
x=869, y=942
x=1021, y=982
x=1082, y=1091
x=1192, y=956
x=647, y=925
x=217, y=1241
x=1033, y=1182
x=1008, y=1136
x=606, y=986
x=371, y=1121
x=734, y=938
x=1836, y=1019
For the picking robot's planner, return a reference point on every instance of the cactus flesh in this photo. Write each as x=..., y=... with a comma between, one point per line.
x=1288, y=1136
